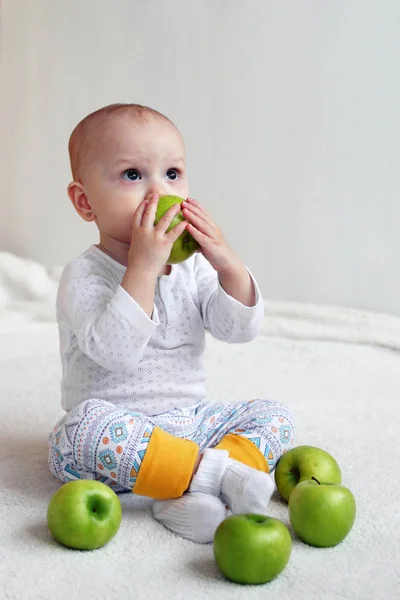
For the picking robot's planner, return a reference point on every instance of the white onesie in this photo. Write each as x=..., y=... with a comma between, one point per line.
x=111, y=350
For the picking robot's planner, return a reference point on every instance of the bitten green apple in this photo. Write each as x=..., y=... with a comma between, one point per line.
x=84, y=514
x=302, y=463
x=185, y=245
x=321, y=514
x=251, y=548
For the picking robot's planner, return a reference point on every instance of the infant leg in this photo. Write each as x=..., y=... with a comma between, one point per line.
x=125, y=450
x=264, y=431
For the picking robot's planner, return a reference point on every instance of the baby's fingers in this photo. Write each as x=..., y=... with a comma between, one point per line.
x=167, y=218
x=176, y=231
x=138, y=216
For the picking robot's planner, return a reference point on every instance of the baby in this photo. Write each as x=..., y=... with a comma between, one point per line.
x=132, y=336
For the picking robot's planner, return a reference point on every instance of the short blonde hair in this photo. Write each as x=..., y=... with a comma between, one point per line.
x=79, y=140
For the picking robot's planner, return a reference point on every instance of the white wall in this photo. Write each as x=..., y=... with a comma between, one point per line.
x=290, y=112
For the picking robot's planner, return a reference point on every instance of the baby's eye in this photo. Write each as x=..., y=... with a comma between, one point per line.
x=131, y=175
x=173, y=174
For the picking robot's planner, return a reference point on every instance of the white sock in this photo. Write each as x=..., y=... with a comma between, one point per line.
x=246, y=490
x=242, y=488
x=209, y=474
x=193, y=516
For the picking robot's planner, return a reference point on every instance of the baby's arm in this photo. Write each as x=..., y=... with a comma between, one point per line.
x=113, y=324
x=238, y=284
x=110, y=326
x=224, y=316
x=140, y=285
x=149, y=250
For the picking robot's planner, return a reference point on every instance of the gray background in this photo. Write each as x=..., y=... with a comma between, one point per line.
x=290, y=112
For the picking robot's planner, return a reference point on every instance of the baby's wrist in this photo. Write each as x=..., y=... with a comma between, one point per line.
x=135, y=270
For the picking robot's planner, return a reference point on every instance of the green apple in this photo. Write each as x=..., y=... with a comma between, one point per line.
x=185, y=245
x=251, y=548
x=302, y=463
x=84, y=514
x=321, y=514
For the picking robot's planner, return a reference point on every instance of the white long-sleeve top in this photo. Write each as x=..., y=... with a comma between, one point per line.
x=112, y=350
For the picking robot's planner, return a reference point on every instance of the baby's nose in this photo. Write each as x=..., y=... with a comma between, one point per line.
x=153, y=191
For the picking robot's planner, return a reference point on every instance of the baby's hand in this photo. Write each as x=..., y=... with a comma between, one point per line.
x=150, y=244
x=206, y=232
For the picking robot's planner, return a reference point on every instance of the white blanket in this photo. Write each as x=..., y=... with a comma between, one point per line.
x=338, y=370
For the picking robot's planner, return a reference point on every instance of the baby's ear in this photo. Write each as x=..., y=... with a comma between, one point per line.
x=76, y=194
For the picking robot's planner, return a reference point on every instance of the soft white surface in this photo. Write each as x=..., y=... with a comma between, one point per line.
x=345, y=397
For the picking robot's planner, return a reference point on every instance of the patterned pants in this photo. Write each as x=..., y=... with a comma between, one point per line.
x=97, y=440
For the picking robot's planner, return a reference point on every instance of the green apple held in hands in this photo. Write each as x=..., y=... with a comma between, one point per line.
x=185, y=245
x=252, y=549
x=302, y=463
x=84, y=514
x=321, y=514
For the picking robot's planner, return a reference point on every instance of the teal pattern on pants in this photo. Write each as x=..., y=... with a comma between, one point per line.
x=99, y=441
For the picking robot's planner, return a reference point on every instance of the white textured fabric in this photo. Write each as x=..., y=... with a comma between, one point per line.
x=242, y=488
x=208, y=476
x=246, y=490
x=112, y=350
x=195, y=516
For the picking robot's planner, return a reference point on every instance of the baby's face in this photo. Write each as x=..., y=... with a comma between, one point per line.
x=130, y=161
